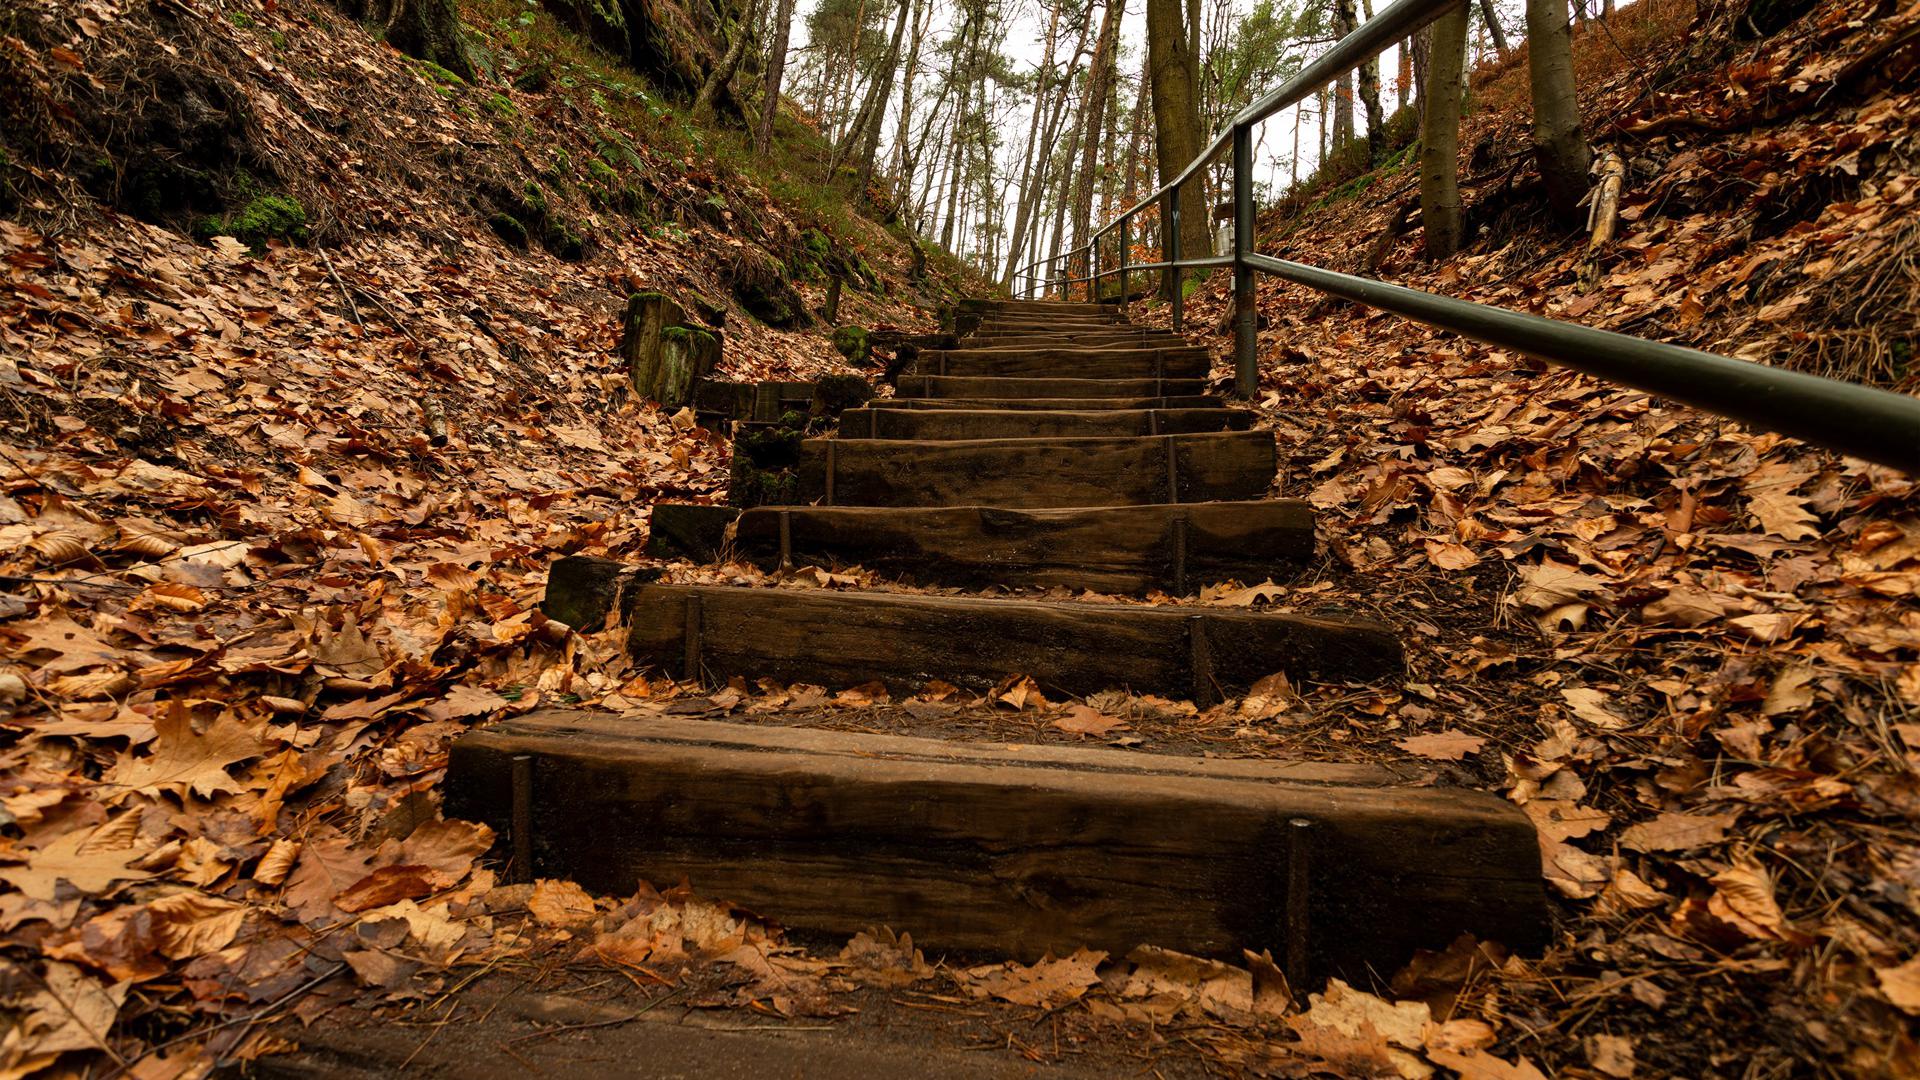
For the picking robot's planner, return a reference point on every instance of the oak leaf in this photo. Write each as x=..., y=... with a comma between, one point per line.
x=90, y=860
x=184, y=760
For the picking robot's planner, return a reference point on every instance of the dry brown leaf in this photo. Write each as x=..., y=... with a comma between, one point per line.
x=1046, y=983
x=184, y=760
x=1675, y=831
x=560, y=903
x=1080, y=720
x=1478, y=1066
x=89, y=860
x=1447, y=745
x=1901, y=985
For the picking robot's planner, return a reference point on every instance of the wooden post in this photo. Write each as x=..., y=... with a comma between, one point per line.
x=692, y=638
x=1173, y=470
x=1180, y=555
x=522, y=818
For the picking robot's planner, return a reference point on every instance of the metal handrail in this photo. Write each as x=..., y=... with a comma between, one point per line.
x=1876, y=425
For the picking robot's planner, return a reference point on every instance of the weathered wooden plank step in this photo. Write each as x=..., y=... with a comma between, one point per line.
x=1050, y=324
x=988, y=305
x=1035, y=423
x=1184, y=401
x=1008, y=338
x=904, y=640
x=1029, y=473
x=1106, y=362
x=1125, y=549
x=969, y=386
x=1014, y=850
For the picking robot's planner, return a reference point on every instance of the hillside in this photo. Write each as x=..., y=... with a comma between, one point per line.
x=1686, y=648
x=308, y=360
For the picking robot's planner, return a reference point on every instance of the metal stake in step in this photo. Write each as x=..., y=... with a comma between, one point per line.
x=520, y=773
x=786, y=540
x=692, y=639
x=1173, y=470
x=1201, y=651
x=1299, y=867
x=873, y=422
x=1180, y=555
x=831, y=443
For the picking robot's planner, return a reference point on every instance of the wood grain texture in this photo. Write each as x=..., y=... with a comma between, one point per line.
x=1185, y=401
x=1009, y=849
x=1027, y=473
x=991, y=306
x=1035, y=423
x=1109, y=362
x=843, y=639
x=972, y=387
x=1126, y=549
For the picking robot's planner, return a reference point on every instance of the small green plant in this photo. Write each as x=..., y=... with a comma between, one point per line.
x=240, y=19
x=263, y=218
x=500, y=106
x=509, y=230
x=602, y=172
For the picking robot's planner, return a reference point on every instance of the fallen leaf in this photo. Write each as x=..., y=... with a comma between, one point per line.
x=1080, y=720
x=1446, y=745
x=1676, y=831
x=560, y=903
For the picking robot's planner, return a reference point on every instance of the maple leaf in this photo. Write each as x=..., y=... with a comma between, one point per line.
x=89, y=860
x=184, y=760
x=1080, y=720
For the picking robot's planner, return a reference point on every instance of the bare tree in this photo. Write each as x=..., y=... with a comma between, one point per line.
x=706, y=104
x=1440, y=134
x=1492, y=19
x=1343, y=24
x=1023, y=207
x=776, y=69
x=1558, y=146
x=1370, y=97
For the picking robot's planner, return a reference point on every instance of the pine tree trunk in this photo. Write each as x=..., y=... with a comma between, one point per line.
x=1174, y=69
x=1029, y=171
x=430, y=30
x=1440, y=134
x=706, y=105
x=1405, y=84
x=1370, y=97
x=1343, y=92
x=1559, y=148
x=866, y=140
x=1492, y=19
x=776, y=69
x=903, y=142
x=1099, y=77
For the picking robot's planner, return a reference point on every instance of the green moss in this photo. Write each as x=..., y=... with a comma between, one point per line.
x=439, y=75
x=536, y=199
x=263, y=218
x=602, y=172
x=278, y=39
x=500, y=106
x=835, y=394
x=509, y=230
x=851, y=341
x=240, y=19
x=765, y=463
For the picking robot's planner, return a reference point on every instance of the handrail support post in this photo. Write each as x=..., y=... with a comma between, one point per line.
x=1126, y=227
x=1246, y=361
x=1170, y=243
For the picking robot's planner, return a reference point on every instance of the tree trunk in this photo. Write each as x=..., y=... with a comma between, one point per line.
x=869, y=139
x=1405, y=83
x=430, y=30
x=1174, y=69
x=1031, y=159
x=1440, y=134
x=1492, y=19
x=1370, y=97
x=1559, y=148
x=776, y=70
x=706, y=105
x=904, y=151
x=1343, y=22
x=1099, y=78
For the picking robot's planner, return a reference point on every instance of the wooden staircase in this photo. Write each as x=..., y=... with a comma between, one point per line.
x=1056, y=445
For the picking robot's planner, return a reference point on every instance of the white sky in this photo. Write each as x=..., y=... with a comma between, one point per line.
x=1026, y=45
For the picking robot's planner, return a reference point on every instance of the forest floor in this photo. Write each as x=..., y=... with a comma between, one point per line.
x=251, y=594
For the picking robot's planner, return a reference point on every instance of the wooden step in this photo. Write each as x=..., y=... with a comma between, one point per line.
x=1185, y=401
x=1013, y=338
x=1125, y=549
x=1034, y=423
x=1111, y=362
x=990, y=306
x=1013, y=850
x=841, y=639
x=1030, y=473
x=1050, y=324
x=967, y=386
